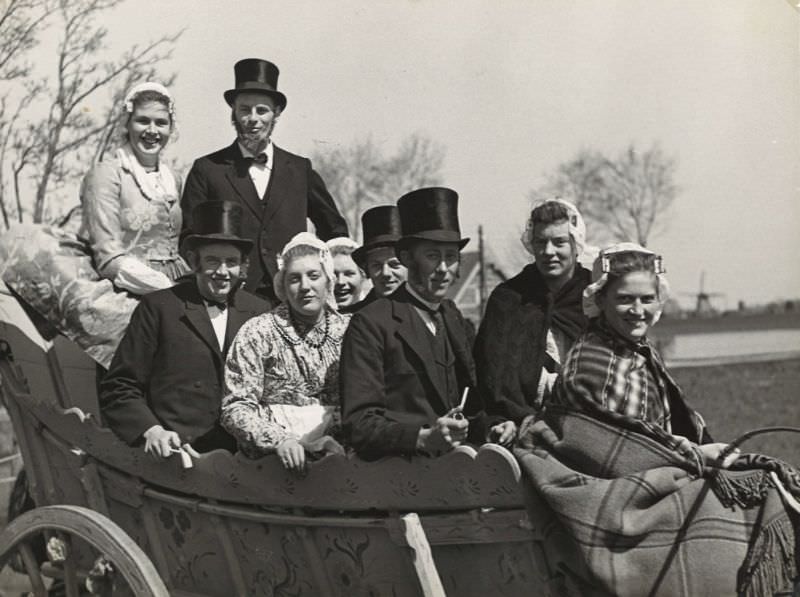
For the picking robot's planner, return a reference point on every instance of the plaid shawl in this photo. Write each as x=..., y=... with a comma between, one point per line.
x=604, y=372
x=633, y=518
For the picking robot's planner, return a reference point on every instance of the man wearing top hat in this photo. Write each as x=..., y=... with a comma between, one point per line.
x=406, y=358
x=377, y=256
x=277, y=189
x=164, y=385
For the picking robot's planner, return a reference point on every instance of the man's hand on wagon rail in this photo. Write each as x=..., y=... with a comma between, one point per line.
x=447, y=433
x=503, y=433
x=159, y=442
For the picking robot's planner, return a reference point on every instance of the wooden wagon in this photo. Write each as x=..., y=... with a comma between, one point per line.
x=110, y=520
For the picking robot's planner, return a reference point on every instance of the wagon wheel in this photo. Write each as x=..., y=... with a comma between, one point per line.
x=89, y=552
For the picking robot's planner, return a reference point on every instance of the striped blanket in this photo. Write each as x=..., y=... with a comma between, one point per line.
x=633, y=518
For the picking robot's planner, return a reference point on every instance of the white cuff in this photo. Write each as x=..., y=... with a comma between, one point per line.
x=138, y=278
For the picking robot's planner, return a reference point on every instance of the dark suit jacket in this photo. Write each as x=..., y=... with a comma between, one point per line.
x=389, y=384
x=168, y=368
x=295, y=192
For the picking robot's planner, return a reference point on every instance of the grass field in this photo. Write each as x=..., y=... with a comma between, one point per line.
x=736, y=398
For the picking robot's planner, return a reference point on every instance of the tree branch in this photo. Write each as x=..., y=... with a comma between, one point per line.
x=626, y=197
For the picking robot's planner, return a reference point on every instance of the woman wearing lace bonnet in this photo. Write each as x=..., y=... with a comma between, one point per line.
x=282, y=373
x=131, y=208
x=86, y=286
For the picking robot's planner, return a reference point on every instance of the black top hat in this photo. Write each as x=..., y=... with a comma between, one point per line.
x=256, y=75
x=217, y=222
x=381, y=226
x=431, y=214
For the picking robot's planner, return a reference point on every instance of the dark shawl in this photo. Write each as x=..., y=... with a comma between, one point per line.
x=510, y=346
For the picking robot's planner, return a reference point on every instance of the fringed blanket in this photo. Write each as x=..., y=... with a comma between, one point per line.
x=633, y=518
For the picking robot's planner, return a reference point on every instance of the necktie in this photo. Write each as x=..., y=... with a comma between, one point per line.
x=436, y=314
x=438, y=321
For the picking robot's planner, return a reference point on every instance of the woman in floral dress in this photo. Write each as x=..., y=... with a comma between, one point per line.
x=85, y=286
x=282, y=372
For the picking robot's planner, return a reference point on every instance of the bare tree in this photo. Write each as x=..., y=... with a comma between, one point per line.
x=62, y=124
x=20, y=23
x=360, y=176
x=353, y=176
x=622, y=199
x=417, y=163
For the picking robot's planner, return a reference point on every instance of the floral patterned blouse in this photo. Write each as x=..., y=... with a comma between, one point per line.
x=282, y=380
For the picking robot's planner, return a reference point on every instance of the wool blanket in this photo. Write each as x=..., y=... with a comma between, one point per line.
x=622, y=514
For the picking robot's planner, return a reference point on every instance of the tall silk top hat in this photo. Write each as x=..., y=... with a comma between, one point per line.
x=381, y=226
x=217, y=221
x=256, y=75
x=430, y=214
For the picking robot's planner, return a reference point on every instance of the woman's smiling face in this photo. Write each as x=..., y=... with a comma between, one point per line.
x=630, y=304
x=348, y=280
x=149, y=128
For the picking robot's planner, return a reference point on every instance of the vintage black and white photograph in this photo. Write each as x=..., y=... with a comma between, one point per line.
x=436, y=298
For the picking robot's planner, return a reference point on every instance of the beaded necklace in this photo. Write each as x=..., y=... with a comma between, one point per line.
x=305, y=338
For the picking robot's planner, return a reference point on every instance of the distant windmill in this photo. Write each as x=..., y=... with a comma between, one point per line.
x=703, y=305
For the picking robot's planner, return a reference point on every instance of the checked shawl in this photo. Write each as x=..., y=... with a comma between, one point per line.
x=627, y=383
x=612, y=505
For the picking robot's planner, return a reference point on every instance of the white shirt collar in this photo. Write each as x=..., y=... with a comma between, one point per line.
x=219, y=321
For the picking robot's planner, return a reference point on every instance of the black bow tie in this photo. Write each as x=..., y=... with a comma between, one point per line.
x=261, y=158
x=220, y=306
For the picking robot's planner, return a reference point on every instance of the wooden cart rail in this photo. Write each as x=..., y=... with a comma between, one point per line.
x=454, y=525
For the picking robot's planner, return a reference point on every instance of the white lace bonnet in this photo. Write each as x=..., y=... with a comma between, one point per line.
x=577, y=227
x=148, y=86
x=602, y=267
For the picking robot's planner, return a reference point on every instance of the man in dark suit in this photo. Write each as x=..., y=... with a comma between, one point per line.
x=164, y=385
x=377, y=257
x=277, y=189
x=406, y=358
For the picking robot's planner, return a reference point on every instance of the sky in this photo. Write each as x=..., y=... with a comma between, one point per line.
x=513, y=88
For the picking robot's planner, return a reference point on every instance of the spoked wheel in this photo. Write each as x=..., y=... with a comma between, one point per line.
x=87, y=554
